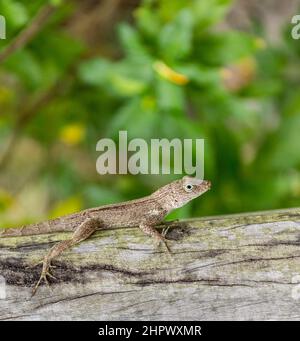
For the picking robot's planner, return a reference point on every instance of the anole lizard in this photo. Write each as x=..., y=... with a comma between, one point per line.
x=145, y=212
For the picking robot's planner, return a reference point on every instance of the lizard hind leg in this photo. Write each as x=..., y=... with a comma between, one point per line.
x=151, y=231
x=82, y=232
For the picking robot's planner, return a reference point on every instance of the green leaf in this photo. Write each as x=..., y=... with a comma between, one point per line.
x=209, y=12
x=56, y=3
x=100, y=72
x=224, y=48
x=201, y=75
x=95, y=71
x=14, y=12
x=148, y=21
x=25, y=65
x=126, y=86
x=285, y=148
x=122, y=118
x=170, y=97
x=175, y=39
x=132, y=117
x=67, y=49
x=132, y=43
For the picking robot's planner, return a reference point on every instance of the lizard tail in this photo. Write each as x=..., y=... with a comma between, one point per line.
x=34, y=229
x=11, y=232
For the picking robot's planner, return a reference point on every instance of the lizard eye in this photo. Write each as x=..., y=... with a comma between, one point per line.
x=188, y=187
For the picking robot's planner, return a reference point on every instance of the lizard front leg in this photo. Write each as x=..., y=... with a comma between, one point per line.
x=151, y=231
x=82, y=232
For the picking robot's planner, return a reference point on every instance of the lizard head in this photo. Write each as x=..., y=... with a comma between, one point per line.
x=180, y=192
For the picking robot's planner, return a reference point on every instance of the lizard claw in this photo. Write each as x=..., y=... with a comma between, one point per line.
x=38, y=263
x=167, y=246
x=165, y=231
x=45, y=273
x=167, y=226
x=161, y=238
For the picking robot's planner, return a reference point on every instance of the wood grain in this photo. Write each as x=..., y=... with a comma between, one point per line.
x=242, y=267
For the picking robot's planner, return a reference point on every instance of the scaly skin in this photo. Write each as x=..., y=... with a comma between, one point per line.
x=145, y=213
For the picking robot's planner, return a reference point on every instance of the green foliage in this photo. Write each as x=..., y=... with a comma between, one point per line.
x=178, y=76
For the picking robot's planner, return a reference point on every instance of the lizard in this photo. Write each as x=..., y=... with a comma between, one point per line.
x=145, y=212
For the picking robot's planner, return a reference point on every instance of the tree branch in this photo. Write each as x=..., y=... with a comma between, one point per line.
x=29, y=32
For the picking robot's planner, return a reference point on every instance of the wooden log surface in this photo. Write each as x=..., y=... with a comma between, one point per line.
x=242, y=267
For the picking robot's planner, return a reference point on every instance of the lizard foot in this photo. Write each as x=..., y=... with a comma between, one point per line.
x=45, y=273
x=165, y=231
x=38, y=263
x=161, y=238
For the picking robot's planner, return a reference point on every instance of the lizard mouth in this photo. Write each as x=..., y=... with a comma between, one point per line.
x=207, y=184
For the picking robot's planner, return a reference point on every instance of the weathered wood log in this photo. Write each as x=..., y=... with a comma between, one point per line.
x=243, y=267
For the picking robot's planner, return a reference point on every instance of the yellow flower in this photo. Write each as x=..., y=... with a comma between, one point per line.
x=169, y=74
x=72, y=134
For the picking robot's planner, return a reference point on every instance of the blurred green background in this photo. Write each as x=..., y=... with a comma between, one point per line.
x=224, y=71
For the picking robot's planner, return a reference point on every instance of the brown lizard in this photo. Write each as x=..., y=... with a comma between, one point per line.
x=145, y=212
